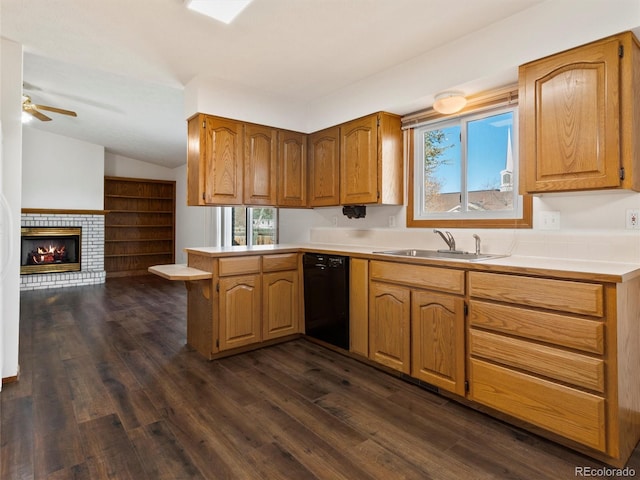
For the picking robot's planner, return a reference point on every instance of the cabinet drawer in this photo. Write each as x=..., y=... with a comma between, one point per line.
x=569, y=413
x=283, y=261
x=442, y=279
x=562, y=295
x=579, y=333
x=551, y=362
x=238, y=265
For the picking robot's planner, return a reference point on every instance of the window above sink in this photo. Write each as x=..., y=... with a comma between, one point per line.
x=465, y=168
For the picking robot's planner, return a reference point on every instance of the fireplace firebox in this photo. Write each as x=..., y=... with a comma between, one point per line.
x=50, y=249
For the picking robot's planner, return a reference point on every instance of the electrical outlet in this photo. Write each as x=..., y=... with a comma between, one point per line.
x=392, y=221
x=334, y=221
x=550, y=220
x=633, y=219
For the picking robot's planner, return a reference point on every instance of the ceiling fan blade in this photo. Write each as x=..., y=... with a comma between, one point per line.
x=37, y=114
x=56, y=110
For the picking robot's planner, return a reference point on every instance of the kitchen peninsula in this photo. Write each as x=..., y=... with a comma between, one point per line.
x=549, y=345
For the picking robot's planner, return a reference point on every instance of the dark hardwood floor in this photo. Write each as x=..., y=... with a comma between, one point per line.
x=109, y=390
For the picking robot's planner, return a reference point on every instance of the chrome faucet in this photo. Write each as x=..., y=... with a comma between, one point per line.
x=477, y=237
x=448, y=239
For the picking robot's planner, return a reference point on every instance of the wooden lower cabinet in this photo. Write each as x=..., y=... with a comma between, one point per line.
x=389, y=326
x=437, y=340
x=240, y=311
x=249, y=300
x=557, y=354
x=280, y=304
x=413, y=328
x=566, y=411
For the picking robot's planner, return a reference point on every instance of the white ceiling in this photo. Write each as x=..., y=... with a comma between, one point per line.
x=122, y=65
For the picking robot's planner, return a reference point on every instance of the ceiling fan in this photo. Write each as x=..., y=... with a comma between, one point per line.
x=34, y=110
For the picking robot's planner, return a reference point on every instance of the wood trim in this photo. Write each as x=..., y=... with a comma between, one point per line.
x=55, y=211
x=7, y=380
x=506, y=95
x=131, y=179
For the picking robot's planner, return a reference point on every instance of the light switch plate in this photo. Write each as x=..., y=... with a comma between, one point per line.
x=633, y=219
x=550, y=220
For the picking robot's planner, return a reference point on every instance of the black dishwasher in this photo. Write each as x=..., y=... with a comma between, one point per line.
x=326, y=298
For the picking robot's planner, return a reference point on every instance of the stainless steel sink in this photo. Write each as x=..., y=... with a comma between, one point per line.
x=444, y=254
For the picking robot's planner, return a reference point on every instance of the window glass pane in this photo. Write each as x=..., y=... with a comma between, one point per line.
x=264, y=222
x=239, y=225
x=490, y=163
x=442, y=169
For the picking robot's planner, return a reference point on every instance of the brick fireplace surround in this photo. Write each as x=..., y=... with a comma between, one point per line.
x=91, y=249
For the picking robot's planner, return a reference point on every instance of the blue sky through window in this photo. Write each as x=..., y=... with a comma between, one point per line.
x=487, y=140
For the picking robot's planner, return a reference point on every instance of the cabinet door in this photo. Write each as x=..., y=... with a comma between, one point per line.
x=570, y=115
x=359, y=307
x=240, y=309
x=223, y=162
x=359, y=161
x=324, y=168
x=437, y=340
x=260, y=164
x=280, y=304
x=389, y=323
x=292, y=169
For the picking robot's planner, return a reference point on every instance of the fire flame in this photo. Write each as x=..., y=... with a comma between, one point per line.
x=48, y=254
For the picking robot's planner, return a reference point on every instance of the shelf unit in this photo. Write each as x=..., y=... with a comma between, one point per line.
x=139, y=225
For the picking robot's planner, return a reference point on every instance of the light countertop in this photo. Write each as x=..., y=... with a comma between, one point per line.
x=557, y=267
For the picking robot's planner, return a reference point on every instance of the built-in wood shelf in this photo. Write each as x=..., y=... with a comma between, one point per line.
x=139, y=225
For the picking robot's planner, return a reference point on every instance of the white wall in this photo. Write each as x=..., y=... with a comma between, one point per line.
x=61, y=172
x=10, y=189
x=195, y=226
x=119, y=166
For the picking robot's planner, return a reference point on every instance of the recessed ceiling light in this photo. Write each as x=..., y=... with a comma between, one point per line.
x=222, y=10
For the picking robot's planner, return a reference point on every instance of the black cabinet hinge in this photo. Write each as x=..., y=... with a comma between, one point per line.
x=218, y=287
x=621, y=51
x=622, y=173
x=204, y=195
x=217, y=343
x=204, y=124
x=466, y=309
x=466, y=385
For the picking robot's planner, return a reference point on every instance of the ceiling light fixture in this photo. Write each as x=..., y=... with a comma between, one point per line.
x=449, y=102
x=222, y=10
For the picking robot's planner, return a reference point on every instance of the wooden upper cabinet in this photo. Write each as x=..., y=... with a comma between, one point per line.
x=214, y=161
x=260, y=163
x=324, y=168
x=292, y=169
x=359, y=161
x=578, y=110
x=371, y=163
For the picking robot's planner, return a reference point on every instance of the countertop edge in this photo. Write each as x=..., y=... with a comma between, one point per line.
x=575, y=269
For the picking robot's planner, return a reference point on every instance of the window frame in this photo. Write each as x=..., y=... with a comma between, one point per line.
x=524, y=220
